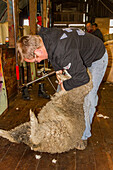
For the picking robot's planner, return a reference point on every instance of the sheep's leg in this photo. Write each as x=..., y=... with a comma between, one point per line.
x=6, y=134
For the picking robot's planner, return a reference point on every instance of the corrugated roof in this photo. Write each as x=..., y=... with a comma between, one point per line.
x=3, y=8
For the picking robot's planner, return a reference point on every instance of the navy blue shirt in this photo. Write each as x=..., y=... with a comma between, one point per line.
x=73, y=50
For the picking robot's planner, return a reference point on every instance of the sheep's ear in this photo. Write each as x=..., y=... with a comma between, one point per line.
x=33, y=120
x=34, y=126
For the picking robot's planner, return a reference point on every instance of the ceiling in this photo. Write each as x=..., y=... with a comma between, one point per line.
x=24, y=3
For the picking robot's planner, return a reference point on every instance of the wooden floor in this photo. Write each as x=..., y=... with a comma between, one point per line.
x=97, y=156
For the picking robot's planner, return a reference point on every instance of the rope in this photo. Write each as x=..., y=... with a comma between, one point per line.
x=51, y=84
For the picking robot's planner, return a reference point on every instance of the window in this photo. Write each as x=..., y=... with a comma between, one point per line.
x=26, y=22
x=76, y=25
x=111, y=26
x=84, y=15
x=86, y=18
x=87, y=8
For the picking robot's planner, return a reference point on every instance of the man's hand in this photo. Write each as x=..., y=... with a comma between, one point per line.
x=62, y=87
x=57, y=74
x=59, y=80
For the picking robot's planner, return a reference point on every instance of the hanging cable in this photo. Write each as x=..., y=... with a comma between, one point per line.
x=106, y=6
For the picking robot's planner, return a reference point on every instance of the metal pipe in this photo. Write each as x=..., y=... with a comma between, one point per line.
x=14, y=20
x=51, y=83
x=15, y=38
x=38, y=79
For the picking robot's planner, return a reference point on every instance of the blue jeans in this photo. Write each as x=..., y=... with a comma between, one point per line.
x=97, y=71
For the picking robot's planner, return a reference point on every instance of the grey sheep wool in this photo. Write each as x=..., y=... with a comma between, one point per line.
x=59, y=125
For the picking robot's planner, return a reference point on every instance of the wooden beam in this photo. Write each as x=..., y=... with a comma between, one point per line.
x=17, y=18
x=10, y=24
x=45, y=23
x=44, y=13
x=33, y=16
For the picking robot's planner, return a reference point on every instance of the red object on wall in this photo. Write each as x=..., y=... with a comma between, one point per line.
x=29, y=19
x=39, y=22
x=17, y=72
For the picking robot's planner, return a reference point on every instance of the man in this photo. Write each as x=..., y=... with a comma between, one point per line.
x=89, y=27
x=75, y=51
x=97, y=32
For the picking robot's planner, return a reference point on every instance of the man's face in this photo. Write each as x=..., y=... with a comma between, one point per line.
x=94, y=28
x=39, y=55
x=88, y=27
x=36, y=59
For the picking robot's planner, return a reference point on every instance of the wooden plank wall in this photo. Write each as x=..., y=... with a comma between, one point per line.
x=9, y=66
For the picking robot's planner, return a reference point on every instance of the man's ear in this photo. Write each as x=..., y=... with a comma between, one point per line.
x=38, y=51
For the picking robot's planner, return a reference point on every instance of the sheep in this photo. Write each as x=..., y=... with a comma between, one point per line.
x=58, y=127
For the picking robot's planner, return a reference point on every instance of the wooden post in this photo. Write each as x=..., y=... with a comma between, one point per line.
x=33, y=16
x=16, y=5
x=45, y=23
x=11, y=21
x=10, y=24
x=44, y=13
x=33, y=28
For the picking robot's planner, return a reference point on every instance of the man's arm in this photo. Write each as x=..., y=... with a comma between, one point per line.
x=77, y=70
x=60, y=82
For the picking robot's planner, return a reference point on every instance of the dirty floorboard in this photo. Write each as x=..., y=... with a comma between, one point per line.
x=97, y=156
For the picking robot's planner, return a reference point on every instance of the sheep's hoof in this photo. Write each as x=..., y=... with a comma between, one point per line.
x=81, y=145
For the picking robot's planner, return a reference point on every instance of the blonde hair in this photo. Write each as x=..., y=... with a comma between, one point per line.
x=26, y=46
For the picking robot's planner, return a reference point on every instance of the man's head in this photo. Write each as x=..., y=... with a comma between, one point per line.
x=94, y=26
x=89, y=27
x=31, y=48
